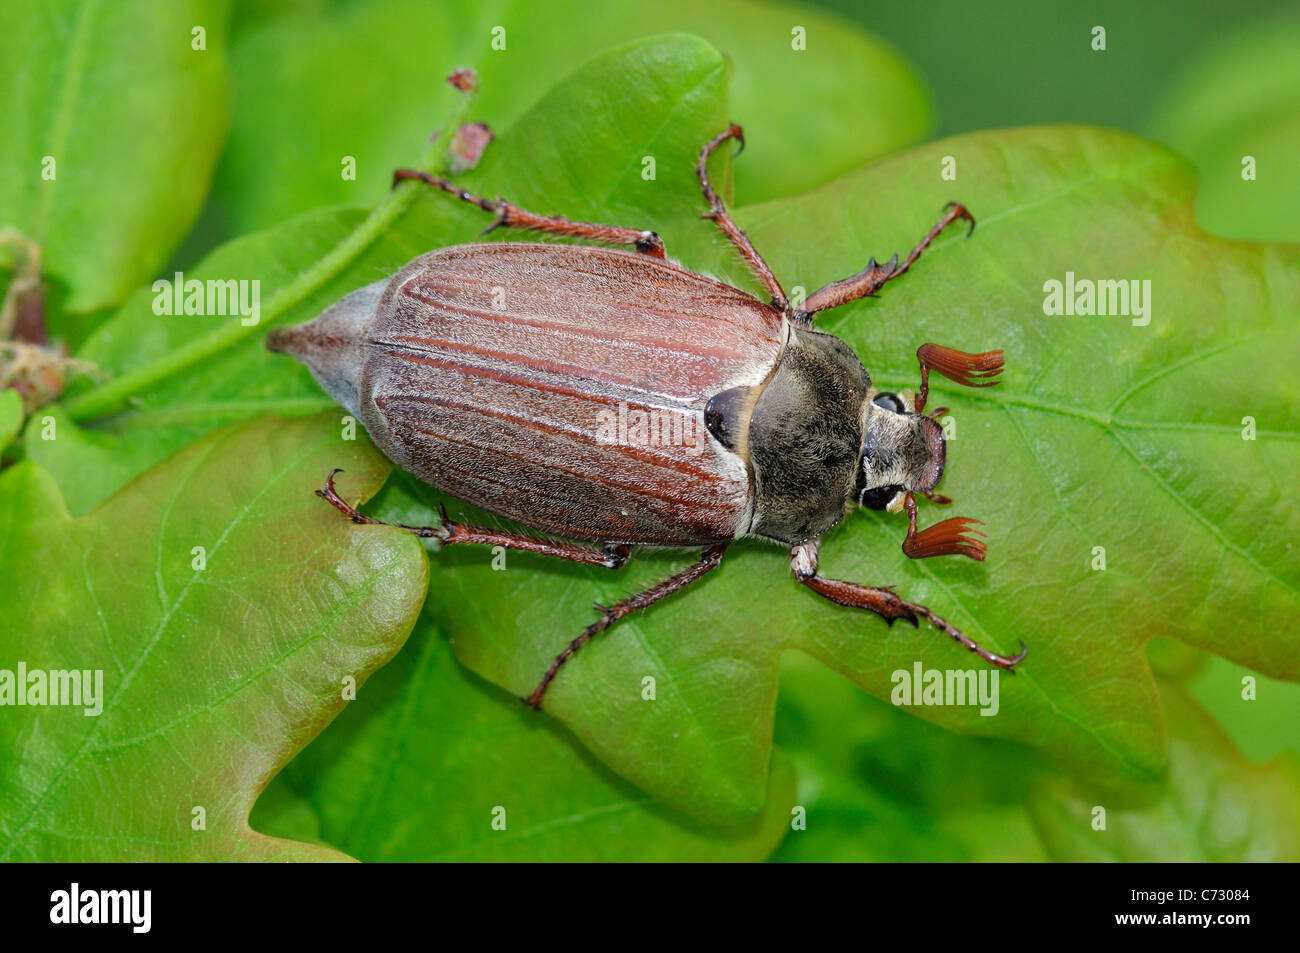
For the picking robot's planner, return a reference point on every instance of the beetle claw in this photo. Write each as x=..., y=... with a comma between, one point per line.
x=331, y=496
x=963, y=214
x=738, y=134
x=1008, y=664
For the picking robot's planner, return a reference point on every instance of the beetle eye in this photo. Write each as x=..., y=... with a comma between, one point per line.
x=878, y=497
x=889, y=402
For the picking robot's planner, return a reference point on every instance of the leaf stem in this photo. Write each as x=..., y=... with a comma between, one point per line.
x=114, y=394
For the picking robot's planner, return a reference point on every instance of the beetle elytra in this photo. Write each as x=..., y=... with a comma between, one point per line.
x=484, y=370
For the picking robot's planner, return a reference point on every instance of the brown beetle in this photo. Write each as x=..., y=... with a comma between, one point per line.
x=504, y=373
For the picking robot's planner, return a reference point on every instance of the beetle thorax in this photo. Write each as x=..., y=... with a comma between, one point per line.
x=805, y=437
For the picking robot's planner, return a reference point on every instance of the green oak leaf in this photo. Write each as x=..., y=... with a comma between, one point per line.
x=1101, y=434
x=217, y=664
x=286, y=154
x=1241, y=100
x=1175, y=661
x=428, y=756
x=132, y=117
x=1211, y=805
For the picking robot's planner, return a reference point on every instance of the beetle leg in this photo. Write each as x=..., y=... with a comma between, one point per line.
x=885, y=603
x=718, y=212
x=872, y=278
x=512, y=216
x=709, y=559
x=449, y=533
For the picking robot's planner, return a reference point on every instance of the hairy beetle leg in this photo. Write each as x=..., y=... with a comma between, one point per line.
x=449, y=533
x=887, y=604
x=872, y=278
x=709, y=559
x=722, y=218
x=512, y=216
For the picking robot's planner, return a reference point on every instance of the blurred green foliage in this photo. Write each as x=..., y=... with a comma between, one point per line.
x=1026, y=62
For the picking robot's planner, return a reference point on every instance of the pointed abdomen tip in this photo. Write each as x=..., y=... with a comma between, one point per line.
x=279, y=340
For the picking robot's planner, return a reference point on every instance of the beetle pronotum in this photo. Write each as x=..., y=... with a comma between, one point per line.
x=483, y=369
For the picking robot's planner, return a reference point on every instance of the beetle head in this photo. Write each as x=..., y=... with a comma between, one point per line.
x=902, y=452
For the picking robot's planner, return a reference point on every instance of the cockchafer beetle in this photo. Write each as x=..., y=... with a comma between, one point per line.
x=486, y=369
